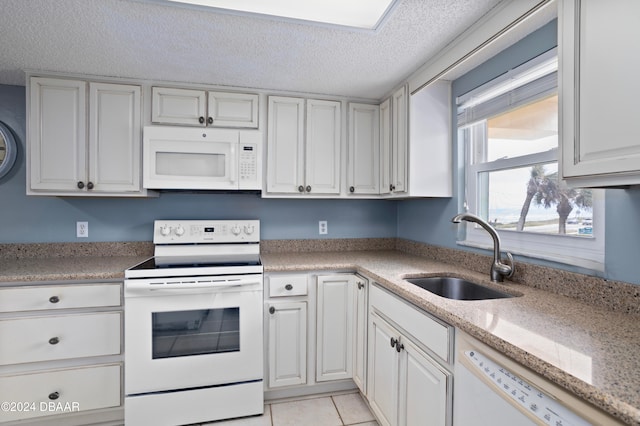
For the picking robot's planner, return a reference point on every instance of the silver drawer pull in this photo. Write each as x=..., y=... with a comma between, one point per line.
x=54, y=299
x=54, y=341
x=54, y=395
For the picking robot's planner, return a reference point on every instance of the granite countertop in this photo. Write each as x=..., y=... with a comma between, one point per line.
x=591, y=351
x=66, y=268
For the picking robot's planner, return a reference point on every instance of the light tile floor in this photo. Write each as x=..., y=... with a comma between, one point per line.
x=336, y=410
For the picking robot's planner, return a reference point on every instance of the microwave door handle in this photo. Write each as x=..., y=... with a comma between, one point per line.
x=234, y=158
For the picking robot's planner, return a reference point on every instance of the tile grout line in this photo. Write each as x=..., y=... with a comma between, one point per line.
x=337, y=411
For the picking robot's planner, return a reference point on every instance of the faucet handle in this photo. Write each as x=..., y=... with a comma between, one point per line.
x=509, y=267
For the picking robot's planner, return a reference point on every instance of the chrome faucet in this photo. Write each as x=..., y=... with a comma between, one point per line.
x=499, y=270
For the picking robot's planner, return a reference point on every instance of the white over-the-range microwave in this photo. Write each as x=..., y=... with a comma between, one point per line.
x=201, y=159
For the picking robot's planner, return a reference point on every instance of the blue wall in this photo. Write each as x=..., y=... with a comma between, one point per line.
x=429, y=221
x=51, y=219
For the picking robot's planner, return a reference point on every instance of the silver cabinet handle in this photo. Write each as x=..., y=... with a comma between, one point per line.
x=272, y=310
x=301, y=188
x=360, y=285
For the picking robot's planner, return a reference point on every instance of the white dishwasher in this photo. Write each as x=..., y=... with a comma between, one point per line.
x=492, y=390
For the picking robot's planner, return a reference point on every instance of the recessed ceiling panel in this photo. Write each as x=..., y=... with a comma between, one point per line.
x=365, y=14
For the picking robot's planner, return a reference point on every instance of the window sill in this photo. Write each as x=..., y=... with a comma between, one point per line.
x=595, y=265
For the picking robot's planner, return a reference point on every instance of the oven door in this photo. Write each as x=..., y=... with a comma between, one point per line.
x=187, y=158
x=201, y=333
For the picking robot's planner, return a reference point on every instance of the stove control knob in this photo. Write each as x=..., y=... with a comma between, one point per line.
x=165, y=230
x=248, y=229
x=235, y=230
x=179, y=231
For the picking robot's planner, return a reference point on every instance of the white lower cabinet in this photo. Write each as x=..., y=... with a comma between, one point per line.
x=407, y=385
x=60, y=391
x=287, y=343
x=61, y=354
x=310, y=328
x=360, y=334
x=334, y=326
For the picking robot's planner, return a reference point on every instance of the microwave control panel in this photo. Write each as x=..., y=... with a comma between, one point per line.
x=248, y=161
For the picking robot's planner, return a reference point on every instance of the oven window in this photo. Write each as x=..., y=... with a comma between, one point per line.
x=196, y=332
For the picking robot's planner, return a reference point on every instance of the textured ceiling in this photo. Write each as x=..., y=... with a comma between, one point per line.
x=146, y=40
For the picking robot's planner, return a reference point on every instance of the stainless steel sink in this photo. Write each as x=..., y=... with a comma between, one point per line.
x=457, y=288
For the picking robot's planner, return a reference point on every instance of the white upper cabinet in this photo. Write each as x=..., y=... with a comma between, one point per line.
x=599, y=84
x=415, y=143
x=430, y=153
x=399, y=153
x=322, y=148
x=303, y=156
x=79, y=149
x=57, y=134
x=363, y=166
x=203, y=108
x=114, y=137
x=393, y=136
x=285, y=145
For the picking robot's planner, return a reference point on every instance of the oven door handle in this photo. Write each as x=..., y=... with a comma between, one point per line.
x=188, y=284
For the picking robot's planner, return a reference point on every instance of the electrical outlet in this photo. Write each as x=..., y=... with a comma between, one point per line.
x=323, y=227
x=82, y=229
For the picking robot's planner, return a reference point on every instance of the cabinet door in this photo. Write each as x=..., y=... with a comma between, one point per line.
x=57, y=134
x=287, y=343
x=334, y=325
x=385, y=147
x=430, y=166
x=383, y=374
x=178, y=106
x=363, y=167
x=399, y=124
x=322, y=147
x=233, y=110
x=285, y=155
x=360, y=338
x=424, y=388
x=598, y=89
x=114, y=139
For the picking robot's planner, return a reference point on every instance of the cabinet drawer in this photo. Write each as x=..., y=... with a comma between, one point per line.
x=16, y=299
x=59, y=337
x=287, y=285
x=72, y=390
x=431, y=333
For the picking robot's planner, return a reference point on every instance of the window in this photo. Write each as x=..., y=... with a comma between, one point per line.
x=509, y=128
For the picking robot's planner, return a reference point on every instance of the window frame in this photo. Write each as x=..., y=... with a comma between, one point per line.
x=585, y=252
